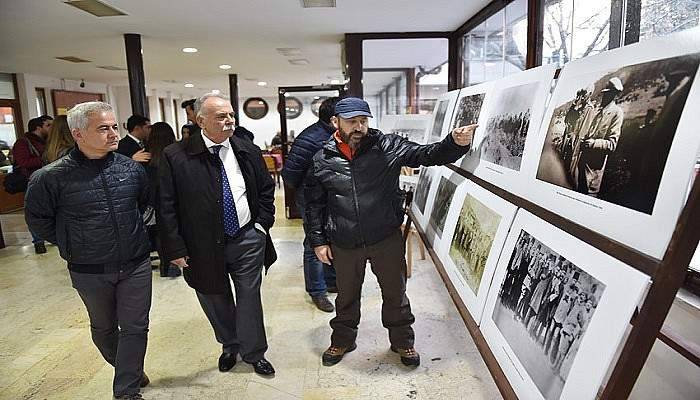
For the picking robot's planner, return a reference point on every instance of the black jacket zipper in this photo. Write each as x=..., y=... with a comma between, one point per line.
x=112, y=215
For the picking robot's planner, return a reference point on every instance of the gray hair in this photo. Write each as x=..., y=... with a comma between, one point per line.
x=197, y=107
x=79, y=114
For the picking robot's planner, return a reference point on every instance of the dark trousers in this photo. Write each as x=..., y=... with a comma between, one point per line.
x=388, y=262
x=118, y=306
x=238, y=324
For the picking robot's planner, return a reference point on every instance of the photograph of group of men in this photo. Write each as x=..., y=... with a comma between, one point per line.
x=544, y=307
x=441, y=206
x=611, y=132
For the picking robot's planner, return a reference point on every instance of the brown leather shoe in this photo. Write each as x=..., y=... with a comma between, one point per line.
x=409, y=357
x=334, y=354
x=322, y=303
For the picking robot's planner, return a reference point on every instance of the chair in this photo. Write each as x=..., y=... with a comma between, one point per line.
x=272, y=168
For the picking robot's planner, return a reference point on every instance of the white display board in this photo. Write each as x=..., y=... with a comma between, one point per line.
x=619, y=162
x=477, y=226
x=469, y=110
x=410, y=126
x=582, y=300
x=442, y=115
x=505, y=149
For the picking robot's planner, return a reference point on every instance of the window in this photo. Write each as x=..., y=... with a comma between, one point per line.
x=40, y=101
x=498, y=46
x=661, y=17
x=575, y=29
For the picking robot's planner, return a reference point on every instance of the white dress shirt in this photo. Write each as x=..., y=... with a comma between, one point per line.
x=235, y=179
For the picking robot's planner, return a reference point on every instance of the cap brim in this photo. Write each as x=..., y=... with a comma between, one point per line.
x=352, y=114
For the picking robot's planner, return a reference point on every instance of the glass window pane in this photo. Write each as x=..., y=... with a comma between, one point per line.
x=661, y=17
x=7, y=87
x=516, y=36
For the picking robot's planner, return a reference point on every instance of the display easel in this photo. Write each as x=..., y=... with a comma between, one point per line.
x=666, y=276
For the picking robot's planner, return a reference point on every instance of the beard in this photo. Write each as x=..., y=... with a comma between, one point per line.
x=352, y=138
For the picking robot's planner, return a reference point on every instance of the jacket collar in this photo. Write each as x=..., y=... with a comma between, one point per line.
x=78, y=156
x=369, y=140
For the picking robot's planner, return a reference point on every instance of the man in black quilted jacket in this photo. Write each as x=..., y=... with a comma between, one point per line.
x=318, y=277
x=90, y=203
x=354, y=212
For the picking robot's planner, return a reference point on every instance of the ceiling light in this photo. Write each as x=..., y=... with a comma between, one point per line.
x=289, y=51
x=317, y=3
x=189, y=85
x=189, y=50
x=262, y=83
x=317, y=97
x=216, y=91
x=286, y=94
x=73, y=59
x=335, y=82
x=95, y=7
x=299, y=61
x=224, y=66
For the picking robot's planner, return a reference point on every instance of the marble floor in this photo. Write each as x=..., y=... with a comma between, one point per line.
x=46, y=351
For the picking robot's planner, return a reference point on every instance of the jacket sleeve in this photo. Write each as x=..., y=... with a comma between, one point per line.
x=316, y=199
x=172, y=243
x=414, y=155
x=24, y=157
x=298, y=162
x=40, y=207
x=266, y=195
x=144, y=189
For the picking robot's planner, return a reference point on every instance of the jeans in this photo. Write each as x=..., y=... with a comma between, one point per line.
x=36, y=239
x=318, y=277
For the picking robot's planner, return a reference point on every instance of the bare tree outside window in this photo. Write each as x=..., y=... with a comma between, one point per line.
x=661, y=17
x=575, y=29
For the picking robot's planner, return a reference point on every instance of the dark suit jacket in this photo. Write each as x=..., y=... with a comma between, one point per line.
x=128, y=146
x=190, y=216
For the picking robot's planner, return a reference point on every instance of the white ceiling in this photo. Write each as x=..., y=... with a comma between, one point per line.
x=241, y=33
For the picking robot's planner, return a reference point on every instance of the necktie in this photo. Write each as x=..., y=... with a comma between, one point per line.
x=230, y=215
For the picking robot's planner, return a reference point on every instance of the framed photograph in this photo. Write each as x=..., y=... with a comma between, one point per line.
x=468, y=109
x=442, y=115
x=477, y=226
x=410, y=126
x=620, y=140
x=557, y=311
x=505, y=142
x=420, y=203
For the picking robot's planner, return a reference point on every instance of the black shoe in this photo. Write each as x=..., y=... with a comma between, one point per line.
x=409, y=357
x=227, y=361
x=174, y=271
x=332, y=289
x=144, y=380
x=39, y=248
x=132, y=396
x=263, y=367
x=334, y=354
x=322, y=303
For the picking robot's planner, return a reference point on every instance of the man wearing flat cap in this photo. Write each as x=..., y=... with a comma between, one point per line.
x=354, y=212
x=599, y=135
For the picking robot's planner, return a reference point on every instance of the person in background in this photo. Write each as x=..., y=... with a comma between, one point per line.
x=191, y=128
x=162, y=135
x=133, y=144
x=28, y=156
x=60, y=140
x=318, y=277
x=90, y=204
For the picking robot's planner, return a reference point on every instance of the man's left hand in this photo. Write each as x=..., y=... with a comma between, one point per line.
x=463, y=135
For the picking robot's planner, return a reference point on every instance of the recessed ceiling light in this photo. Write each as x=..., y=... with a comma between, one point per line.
x=262, y=83
x=216, y=91
x=224, y=66
x=189, y=50
x=335, y=82
x=317, y=97
x=189, y=85
x=286, y=94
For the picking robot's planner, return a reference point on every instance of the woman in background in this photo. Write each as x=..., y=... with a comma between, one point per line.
x=161, y=136
x=60, y=141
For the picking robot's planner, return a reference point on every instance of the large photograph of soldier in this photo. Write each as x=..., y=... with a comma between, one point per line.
x=544, y=306
x=611, y=132
x=507, y=126
x=443, y=199
x=424, y=181
x=468, y=110
x=472, y=240
x=440, y=114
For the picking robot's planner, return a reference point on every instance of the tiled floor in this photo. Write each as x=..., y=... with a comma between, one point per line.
x=46, y=351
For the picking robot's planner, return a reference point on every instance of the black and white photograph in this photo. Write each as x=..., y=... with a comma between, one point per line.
x=544, y=307
x=425, y=179
x=610, y=132
x=412, y=127
x=472, y=240
x=441, y=205
x=468, y=110
x=439, y=120
x=557, y=311
x=507, y=126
